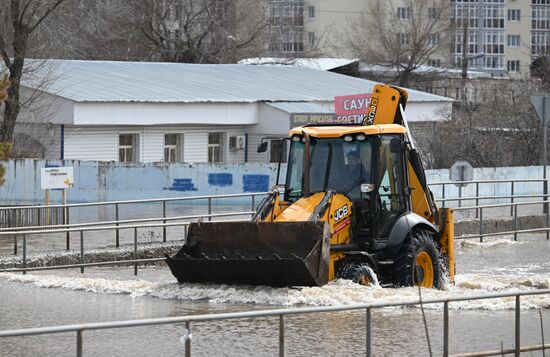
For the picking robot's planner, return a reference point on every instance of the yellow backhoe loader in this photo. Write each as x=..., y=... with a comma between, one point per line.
x=355, y=205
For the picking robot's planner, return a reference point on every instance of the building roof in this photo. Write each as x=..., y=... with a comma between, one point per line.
x=300, y=107
x=324, y=64
x=109, y=81
x=424, y=69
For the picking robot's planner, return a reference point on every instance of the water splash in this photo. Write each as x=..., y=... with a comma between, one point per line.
x=338, y=292
x=469, y=243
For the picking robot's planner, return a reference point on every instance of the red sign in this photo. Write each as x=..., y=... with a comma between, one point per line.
x=352, y=107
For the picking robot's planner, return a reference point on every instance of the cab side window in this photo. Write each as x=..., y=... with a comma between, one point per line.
x=390, y=181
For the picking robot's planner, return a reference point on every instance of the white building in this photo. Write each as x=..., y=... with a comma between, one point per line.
x=155, y=112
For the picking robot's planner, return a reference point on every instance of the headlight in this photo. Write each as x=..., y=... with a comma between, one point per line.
x=361, y=137
x=348, y=138
x=296, y=138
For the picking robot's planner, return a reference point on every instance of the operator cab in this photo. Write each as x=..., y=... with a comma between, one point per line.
x=368, y=169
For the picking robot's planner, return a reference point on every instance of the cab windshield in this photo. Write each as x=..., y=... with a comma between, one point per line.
x=333, y=164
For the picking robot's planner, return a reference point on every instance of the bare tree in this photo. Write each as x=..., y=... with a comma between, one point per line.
x=199, y=31
x=402, y=38
x=540, y=68
x=89, y=30
x=19, y=21
x=499, y=130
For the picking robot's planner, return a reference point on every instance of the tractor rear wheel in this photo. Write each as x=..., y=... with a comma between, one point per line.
x=357, y=271
x=418, y=262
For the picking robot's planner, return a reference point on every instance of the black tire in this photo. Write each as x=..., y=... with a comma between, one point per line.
x=411, y=264
x=357, y=271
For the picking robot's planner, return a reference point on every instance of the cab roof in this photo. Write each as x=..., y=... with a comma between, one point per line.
x=335, y=131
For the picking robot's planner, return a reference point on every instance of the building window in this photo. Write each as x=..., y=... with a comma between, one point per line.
x=128, y=147
x=215, y=147
x=278, y=148
x=513, y=66
x=311, y=38
x=493, y=62
x=459, y=42
x=286, y=33
x=465, y=14
x=404, y=13
x=433, y=13
x=434, y=39
x=540, y=19
x=494, y=42
x=434, y=63
x=173, y=148
x=513, y=40
x=493, y=16
x=514, y=15
x=311, y=12
x=404, y=38
x=540, y=42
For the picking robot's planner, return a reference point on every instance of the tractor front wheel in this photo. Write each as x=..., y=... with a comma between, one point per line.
x=418, y=262
x=359, y=272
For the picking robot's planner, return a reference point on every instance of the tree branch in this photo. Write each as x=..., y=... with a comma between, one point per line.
x=3, y=52
x=45, y=15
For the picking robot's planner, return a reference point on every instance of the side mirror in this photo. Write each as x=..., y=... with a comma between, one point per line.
x=367, y=187
x=262, y=147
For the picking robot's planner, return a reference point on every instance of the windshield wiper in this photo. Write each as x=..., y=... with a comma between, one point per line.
x=353, y=185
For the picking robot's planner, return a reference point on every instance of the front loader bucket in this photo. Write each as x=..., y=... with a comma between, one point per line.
x=254, y=253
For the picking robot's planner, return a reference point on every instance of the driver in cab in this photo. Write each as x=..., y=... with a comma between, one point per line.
x=350, y=175
x=352, y=169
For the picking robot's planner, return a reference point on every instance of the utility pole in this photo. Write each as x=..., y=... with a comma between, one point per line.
x=541, y=103
x=465, y=49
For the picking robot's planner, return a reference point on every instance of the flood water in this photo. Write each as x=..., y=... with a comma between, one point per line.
x=109, y=294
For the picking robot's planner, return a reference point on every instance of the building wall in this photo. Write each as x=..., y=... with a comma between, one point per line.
x=132, y=113
x=45, y=108
x=272, y=121
x=100, y=181
x=101, y=142
x=331, y=23
x=522, y=53
x=91, y=143
x=428, y=111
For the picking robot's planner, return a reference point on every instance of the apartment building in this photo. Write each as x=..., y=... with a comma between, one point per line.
x=303, y=27
x=503, y=36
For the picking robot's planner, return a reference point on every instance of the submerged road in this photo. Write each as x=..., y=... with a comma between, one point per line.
x=66, y=297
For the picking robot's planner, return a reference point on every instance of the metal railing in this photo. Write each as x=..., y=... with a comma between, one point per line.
x=99, y=226
x=513, y=232
x=20, y=234
x=112, y=225
x=166, y=221
x=282, y=313
x=59, y=214
x=19, y=216
x=461, y=184
x=38, y=214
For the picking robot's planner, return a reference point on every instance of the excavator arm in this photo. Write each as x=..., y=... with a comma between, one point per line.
x=387, y=106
